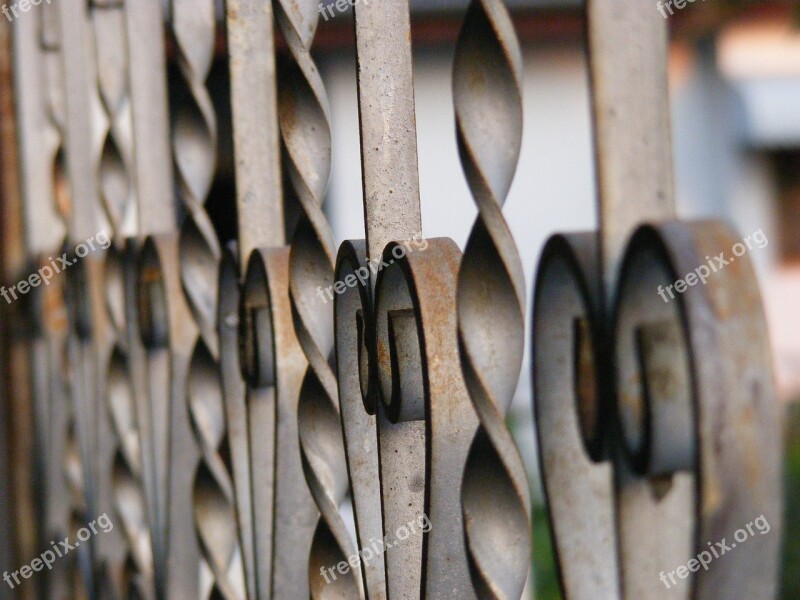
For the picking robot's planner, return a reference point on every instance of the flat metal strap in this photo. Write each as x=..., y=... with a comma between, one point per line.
x=387, y=124
x=148, y=90
x=284, y=515
x=39, y=136
x=84, y=280
x=156, y=211
x=256, y=138
x=628, y=67
x=81, y=120
x=391, y=212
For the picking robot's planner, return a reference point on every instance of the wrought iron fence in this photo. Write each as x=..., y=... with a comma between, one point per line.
x=199, y=395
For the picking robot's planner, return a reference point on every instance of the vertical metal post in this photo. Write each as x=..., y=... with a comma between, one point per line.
x=152, y=175
x=391, y=212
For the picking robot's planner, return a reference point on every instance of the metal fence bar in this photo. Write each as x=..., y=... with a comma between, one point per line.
x=491, y=306
x=195, y=567
x=629, y=408
x=152, y=173
x=391, y=211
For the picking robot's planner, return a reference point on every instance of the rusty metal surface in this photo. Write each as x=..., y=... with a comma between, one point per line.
x=40, y=88
x=627, y=43
x=734, y=415
x=224, y=407
x=284, y=515
x=638, y=399
x=260, y=220
x=419, y=379
x=571, y=417
x=304, y=125
x=355, y=343
x=391, y=211
x=256, y=137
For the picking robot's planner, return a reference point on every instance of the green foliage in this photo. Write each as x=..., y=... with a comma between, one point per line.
x=544, y=564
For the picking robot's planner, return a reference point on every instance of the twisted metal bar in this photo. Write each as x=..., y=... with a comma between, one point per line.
x=128, y=469
x=119, y=472
x=194, y=150
x=214, y=509
x=194, y=143
x=115, y=180
x=206, y=487
x=305, y=130
x=491, y=315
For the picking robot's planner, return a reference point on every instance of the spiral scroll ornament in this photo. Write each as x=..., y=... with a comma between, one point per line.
x=488, y=107
x=305, y=131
